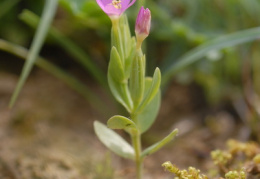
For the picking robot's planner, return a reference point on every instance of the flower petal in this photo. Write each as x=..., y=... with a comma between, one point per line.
x=125, y=3
x=111, y=10
x=100, y=3
x=131, y=3
x=105, y=2
x=114, y=7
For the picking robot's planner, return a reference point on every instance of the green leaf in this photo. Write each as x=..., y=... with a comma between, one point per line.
x=120, y=122
x=121, y=92
x=137, y=82
x=47, y=17
x=154, y=148
x=126, y=35
x=128, y=44
x=215, y=44
x=117, y=82
x=115, y=67
x=152, y=91
x=113, y=141
x=148, y=115
x=117, y=39
x=130, y=56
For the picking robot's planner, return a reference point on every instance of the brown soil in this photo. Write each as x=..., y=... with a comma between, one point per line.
x=49, y=133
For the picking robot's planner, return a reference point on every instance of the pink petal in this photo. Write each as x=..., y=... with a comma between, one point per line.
x=132, y=2
x=111, y=10
x=100, y=3
x=108, y=8
x=125, y=3
x=105, y=2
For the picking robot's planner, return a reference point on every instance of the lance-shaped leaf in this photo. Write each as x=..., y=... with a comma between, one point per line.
x=128, y=43
x=126, y=35
x=154, y=148
x=121, y=93
x=148, y=115
x=116, y=80
x=152, y=91
x=120, y=122
x=113, y=141
x=131, y=45
x=218, y=43
x=115, y=67
x=117, y=39
x=125, y=44
x=137, y=82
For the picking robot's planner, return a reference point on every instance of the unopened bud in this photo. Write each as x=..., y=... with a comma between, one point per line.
x=142, y=25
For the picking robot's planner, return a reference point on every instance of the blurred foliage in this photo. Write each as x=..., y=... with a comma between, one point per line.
x=12, y=29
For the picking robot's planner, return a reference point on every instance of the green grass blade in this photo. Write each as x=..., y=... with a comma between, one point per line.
x=71, y=81
x=252, y=7
x=215, y=44
x=82, y=58
x=5, y=6
x=47, y=17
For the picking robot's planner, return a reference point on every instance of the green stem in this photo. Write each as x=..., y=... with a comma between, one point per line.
x=136, y=142
x=117, y=38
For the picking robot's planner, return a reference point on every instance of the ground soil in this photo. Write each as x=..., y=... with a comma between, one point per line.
x=49, y=133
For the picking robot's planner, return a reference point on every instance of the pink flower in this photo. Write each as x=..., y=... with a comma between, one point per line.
x=143, y=22
x=115, y=7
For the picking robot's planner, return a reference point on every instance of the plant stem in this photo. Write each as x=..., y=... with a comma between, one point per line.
x=136, y=142
x=117, y=38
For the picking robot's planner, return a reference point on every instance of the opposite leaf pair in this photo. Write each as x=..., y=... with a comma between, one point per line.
x=118, y=145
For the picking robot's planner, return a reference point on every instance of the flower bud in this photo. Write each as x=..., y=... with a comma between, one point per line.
x=143, y=24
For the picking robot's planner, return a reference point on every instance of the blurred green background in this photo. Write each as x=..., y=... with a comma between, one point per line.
x=213, y=44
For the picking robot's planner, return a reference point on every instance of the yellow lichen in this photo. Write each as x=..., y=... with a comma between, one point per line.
x=191, y=173
x=235, y=175
x=220, y=157
x=256, y=159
